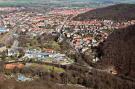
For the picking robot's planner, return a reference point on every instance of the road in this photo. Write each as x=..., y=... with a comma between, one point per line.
x=14, y=30
x=62, y=37
x=78, y=54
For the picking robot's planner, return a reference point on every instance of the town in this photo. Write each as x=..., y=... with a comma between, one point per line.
x=23, y=41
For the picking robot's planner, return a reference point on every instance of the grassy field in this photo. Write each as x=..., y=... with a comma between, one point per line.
x=17, y=2
x=47, y=68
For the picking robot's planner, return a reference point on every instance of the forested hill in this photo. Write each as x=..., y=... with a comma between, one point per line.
x=119, y=50
x=114, y=12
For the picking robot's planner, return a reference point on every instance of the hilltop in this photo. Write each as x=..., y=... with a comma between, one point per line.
x=114, y=12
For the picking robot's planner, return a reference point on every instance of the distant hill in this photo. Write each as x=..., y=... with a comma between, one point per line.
x=63, y=3
x=114, y=12
x=119, y=50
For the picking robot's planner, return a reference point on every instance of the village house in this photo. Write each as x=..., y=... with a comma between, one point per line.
x=3, y=30
x=36, y=54
x=13, y=52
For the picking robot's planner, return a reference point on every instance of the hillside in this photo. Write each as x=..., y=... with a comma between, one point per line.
x=119, y=50
x=114, y=12
x=38, y=84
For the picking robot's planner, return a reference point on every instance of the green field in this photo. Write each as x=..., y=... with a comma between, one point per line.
x=17, y=2
x=47, y=68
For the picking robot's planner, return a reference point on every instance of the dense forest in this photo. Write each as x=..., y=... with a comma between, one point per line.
x=119, y=50
x=115, y=12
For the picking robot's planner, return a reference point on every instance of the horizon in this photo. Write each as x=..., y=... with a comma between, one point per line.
x=64, y=3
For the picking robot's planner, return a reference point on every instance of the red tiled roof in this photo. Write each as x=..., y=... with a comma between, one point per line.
x=13, y=66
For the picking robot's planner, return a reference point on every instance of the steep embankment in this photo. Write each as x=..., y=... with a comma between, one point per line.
x=119, y=50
